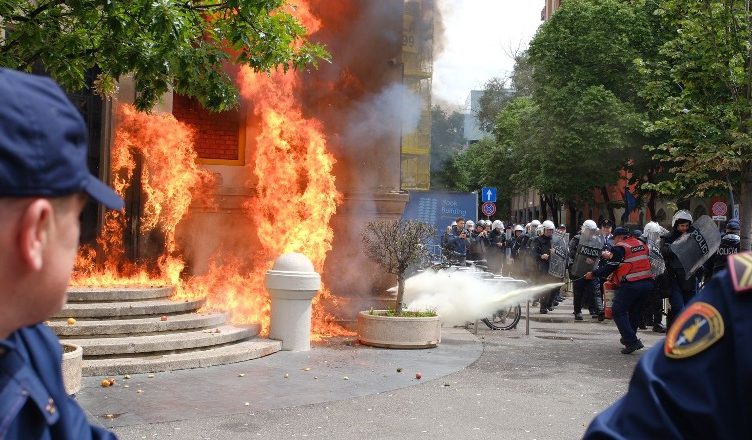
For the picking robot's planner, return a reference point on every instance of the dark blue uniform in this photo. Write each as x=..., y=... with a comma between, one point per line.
x=33, y=401
x=697, y=384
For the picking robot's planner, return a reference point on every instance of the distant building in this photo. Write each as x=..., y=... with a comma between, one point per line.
x=549, y=8
x=472, y=131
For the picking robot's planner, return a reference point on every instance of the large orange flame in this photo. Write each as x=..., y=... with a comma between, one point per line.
x=290, y=165
x=169, y=179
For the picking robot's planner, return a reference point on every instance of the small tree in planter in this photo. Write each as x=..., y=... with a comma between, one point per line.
x=395, y=245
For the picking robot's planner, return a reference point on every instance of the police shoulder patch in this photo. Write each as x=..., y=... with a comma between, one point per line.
x=699, y=326
x=740, y=269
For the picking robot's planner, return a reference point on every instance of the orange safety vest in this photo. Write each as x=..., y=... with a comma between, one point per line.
x=636, y=264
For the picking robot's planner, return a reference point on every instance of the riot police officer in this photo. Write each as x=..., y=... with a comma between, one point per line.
x=730, y=242
x=681, y=287
x=695, y=384
x=629, y=267
x=497, y=242
x=542, y=255
x=581, y=288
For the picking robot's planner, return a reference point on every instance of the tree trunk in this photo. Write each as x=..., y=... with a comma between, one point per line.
x=573, y=226
x=400, y=293
x=554, y=205
x=609, y=208
x=651, y=205
x=544, y=207
x=745, y=205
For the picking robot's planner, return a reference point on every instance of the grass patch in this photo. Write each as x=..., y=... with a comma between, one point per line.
x=407, y=313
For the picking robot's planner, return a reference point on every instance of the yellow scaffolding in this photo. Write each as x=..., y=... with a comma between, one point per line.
x=417, y=62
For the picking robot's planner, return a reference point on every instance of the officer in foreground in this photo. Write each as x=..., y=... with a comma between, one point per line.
x=696, y=384
x=44, y=184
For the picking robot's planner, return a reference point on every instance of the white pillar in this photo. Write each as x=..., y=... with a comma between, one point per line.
x=292, y=283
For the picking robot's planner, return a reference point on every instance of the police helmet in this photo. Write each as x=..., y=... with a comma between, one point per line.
x=652, y=227
x=519, y=228
x=589, y=224
x=681, y=216
x=548, y=224
x=497, y=224
x=535, y=223
x=469, y=225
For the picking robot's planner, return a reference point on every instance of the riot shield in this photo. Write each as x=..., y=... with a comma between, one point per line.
x=694, y=248
x=657, y=264
x=588, y=252
x=559, y=256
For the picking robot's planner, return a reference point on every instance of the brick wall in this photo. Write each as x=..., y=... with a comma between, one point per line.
x=217, y=134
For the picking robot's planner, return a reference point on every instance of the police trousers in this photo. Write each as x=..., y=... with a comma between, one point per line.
x=628, y=302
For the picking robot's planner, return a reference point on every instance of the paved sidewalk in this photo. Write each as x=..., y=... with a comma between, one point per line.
x=337, y=370
x=546, y=385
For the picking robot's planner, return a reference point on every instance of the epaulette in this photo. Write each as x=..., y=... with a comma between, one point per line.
x=740, y=269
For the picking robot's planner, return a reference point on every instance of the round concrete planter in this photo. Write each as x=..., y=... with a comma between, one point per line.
x=72, y=367
x=379, y=330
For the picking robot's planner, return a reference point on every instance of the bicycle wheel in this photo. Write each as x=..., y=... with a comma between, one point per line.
x=504, y=319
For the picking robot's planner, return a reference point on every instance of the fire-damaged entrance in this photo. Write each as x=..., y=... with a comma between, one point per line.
x=91, y=107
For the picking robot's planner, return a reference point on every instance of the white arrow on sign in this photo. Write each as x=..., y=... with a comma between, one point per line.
x=488, y=194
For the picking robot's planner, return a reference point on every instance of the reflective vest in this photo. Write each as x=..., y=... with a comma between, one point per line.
x=636, y=263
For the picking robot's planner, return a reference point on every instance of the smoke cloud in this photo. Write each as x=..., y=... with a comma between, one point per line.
x=459, y=297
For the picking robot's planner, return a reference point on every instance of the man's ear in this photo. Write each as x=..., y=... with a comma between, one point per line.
x=34, y=226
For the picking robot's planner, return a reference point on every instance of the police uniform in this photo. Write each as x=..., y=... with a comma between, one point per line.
x=697, y=383
x=42, y=154
x=33, y=401
x=730, y=243
x=630, y=266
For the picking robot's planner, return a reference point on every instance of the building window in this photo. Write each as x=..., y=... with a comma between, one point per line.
x=220, y=138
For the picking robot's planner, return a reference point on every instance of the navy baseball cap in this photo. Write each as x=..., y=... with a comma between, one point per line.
x=43, y=142
x=621, y=230
x=733, y=224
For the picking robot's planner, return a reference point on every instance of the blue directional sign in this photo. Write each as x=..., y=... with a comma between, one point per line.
x=488, y=195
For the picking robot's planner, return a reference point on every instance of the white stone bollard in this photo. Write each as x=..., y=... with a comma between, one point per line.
x=292, y=283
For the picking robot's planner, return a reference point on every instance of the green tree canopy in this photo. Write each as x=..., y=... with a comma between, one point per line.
x=164, y=44
x=700, y=86
x=585, y=97
x=447, y=137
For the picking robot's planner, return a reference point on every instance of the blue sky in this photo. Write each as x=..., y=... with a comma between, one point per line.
x=478, y=36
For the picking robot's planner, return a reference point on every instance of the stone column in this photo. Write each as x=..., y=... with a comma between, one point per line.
x=292, y=283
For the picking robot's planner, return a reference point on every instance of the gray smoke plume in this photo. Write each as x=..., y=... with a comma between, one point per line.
x=459, y=297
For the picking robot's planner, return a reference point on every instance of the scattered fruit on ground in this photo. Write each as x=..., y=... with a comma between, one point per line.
x=71, y=321
x=418, y=375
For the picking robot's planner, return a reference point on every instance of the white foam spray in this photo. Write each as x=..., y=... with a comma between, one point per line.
x=462, y=296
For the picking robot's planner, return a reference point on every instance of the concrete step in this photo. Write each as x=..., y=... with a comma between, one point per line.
x=228, y=354
x=130, y=308
x=163, y=342
x=91, y=328
x=102, y=294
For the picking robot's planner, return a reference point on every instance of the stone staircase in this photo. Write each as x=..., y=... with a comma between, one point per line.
x=140, y=330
